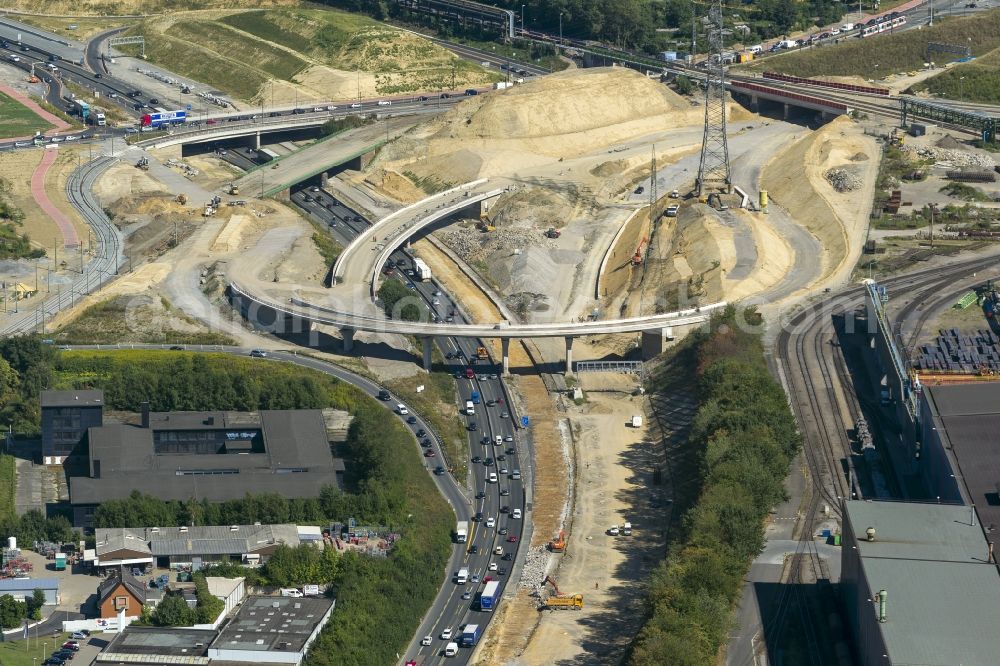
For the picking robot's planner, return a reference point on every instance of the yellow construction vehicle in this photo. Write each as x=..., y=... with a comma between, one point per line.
x=896, y=138
x=482, y=354
x=574, y=602
x=485, y=224
x=234, y=189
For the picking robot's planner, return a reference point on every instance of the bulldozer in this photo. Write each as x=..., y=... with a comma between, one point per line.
x=896, y=138
x=558, y=545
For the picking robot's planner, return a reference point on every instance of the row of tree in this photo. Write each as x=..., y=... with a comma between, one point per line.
x=745, y=437
x=13, y=613
x=173, y=609
x=304, y=564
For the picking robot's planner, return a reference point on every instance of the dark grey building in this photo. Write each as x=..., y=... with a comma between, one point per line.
x=919, y=585
x=66, y=417
x=216, y=456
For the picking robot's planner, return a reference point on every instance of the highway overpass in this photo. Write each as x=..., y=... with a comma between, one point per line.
x=264, y=312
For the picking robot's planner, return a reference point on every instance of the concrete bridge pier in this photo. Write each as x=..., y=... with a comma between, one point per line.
x=754, y=104
x=654, y=341
x=428, y=345
x=505, y=353
x=784, y=112
x=569, y=355
x=348, y=335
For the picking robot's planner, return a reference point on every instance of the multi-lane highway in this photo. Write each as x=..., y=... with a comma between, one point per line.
x=457, y=605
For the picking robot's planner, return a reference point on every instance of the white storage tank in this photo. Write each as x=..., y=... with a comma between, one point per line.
x=12, y=543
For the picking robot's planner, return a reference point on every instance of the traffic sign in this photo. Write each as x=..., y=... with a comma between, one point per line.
x=524, y=421
x=188, y=107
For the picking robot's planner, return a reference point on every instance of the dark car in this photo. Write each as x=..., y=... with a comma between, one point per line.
x=479, y=515
x=425, y=442
x=4, y=44
x=429, y=453
x=298, y=111
x=274, y=114
x=439, y=470
x=423, y=98
x=507, y=556
x=25, y=48
x=98, y=76
x=488, y=462
x=502, y=571
x=445, y=95
x=137, y=106
x=491, y=403
x=411, y=419
x=477, y=459
x=504, y=492
x=383, y=395
x=640, y=189
x=474, y=550
x=134, y=93
x=481, y=495
x=470, y=92
x=511, y=450
x=153, y=101
x=505, y=509
x=421, y=433
x=64, y=654
x=176, y=348
x=473, y=427
x=501, y=457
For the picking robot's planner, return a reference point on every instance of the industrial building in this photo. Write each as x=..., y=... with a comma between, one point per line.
x=172, y=547
x=66, y=417
x=23, y=588
x=960, y=452
x=272, y=630
x=919, y=584
x=216, y=456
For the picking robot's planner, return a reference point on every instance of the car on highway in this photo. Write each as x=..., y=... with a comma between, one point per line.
x=505, y=415
x=73, y=137
x=503, y=470
x=493, y=566
x=481, y=494
x=426, y=640
x=473, y=427
x=491, y=403
x=502, y=571
x=258, y=353
x=153, y=101
x=516, y=514
x=446, y=634
x=502, y=531
x=504, y=492
x=467, y=595
x=479, y=515
x=512, y=539
x=640, y=189
x=411, y=420
x=491, y=522
x=488, y=462
x=420, y=433
x=508, y=438
x=402, y=410
x=25, y=48
x=356, y=105
x=176, y=348
x=477, y=459
x=439, y=470
x=505, y=509
x=672, y=210
x=429, y=453
x=501, y=457
x=425, y=442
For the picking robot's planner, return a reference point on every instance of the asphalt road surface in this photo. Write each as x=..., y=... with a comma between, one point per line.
x=456, y=605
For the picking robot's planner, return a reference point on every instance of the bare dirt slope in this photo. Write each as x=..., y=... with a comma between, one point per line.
x=837, y=219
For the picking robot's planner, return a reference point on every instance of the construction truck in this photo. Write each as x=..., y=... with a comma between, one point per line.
x=482, y=354
x=553, y=233
x=574, y=602
x=561, y=601
x=558, y=545
x=421, y=270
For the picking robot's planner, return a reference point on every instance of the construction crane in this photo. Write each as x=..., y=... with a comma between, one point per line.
x=637, y=257
x=558, y=545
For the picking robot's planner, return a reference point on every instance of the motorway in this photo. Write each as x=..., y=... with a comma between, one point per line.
x=457, y=605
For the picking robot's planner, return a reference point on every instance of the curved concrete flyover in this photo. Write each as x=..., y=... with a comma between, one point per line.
x=251, y=305
x=361, y=261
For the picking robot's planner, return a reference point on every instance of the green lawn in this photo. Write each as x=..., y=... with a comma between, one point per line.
x=975, y=81
x=888, y=54
x=7, y=488
x=18, y=120
x=21, y=652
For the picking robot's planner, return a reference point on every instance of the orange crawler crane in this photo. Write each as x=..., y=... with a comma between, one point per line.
x=637, y=257
x=558, y=545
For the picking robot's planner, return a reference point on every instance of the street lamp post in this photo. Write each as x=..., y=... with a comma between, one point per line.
x=522, y=19
x=961, y=87
x=560, y=29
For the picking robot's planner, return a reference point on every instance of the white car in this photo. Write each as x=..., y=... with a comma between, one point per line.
x=491, y=522
x=384, y=102
x=73, y=137
x=493, y=566
x=426, y=640
x=446, y=634
x=672, y=210
x=331, y=108
x=516, y=514
x=402, y=410
x=356, y=105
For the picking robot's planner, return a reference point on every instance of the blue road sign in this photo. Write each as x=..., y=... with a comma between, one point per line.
x=524, y=421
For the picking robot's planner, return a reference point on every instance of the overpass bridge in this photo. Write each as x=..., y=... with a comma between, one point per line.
x=757, y=92
x=252, y=305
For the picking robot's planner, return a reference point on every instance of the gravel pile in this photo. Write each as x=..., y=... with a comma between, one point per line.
x=471, y=244
x=843, y=180
x=951, y=157
x=535, y=564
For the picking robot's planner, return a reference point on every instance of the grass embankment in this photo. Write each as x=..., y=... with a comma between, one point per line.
x=436, y=403
x=7, y=489
x=879, y=56
x=975, y=81
x=123, y=319
x=379, y=600
x=86, y=26
x=17, y=120
x=30, y=652
x=744, y=437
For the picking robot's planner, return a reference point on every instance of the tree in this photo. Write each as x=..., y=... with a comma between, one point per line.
x=684, y=85
x=12, y=612
x=34, y=604
x=173, y=611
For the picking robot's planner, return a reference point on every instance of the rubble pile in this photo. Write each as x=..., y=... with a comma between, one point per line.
x=843, y=180
x=949, y=157
x=471, y=244
x=535, y=564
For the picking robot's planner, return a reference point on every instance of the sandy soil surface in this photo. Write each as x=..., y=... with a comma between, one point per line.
x=613, y=469
x=838, y=219
x=17, y=168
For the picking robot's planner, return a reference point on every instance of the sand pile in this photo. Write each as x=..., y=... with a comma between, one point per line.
x=563, y=115
x=836, y=219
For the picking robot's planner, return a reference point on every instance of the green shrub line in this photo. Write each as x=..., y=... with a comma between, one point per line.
x=7, y=487
x=744, y=437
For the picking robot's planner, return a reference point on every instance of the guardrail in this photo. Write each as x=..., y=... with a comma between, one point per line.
x=826, y=84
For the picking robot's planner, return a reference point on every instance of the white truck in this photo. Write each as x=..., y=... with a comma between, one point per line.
x=462, y=531
x=636, y=422
x=627, y=529
x=421, y=270
x=98, y=117
x=502, y=85
x=462, y=577
x=470, y=408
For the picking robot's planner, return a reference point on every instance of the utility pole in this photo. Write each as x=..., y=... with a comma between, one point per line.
x=653, y=195
x=714, y=165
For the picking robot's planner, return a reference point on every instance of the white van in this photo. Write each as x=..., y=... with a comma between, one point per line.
x=756, y=49
x=291, y=592
x=498, y=441
x=492, y=478
x=470, y=408
x=462, y=577
x=451, y=649
x=516, y=514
